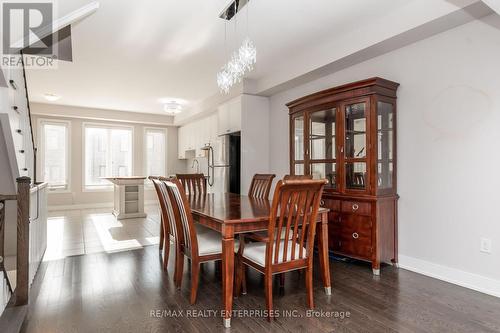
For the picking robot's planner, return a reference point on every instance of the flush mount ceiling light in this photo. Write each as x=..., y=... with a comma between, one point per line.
x=51, y=97
x=172, y=108
x=243, y=60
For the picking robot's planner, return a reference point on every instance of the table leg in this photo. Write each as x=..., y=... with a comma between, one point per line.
x=227, y=273
x=324, y=261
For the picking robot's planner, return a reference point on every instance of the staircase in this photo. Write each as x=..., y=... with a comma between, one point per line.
x=23, y=219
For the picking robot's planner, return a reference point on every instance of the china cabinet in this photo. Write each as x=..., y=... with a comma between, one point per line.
x=347, y=135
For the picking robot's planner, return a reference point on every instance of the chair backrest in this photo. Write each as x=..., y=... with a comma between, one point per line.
x=193, y=183
x=260, y=186
x=165, y=206
x=293, y=214
x=297, y=177
x=182, y=216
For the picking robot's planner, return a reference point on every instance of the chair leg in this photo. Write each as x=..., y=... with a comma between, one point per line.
x=243, y=279
x=240, y=281
x=269, y=293
x=282, y=280
x=237, y=279
x=195, y=276
x=166, y=254
x=179, y=268
x=162, y=235
x=309, y=287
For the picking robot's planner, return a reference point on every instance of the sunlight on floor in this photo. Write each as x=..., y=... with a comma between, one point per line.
x=77, y=232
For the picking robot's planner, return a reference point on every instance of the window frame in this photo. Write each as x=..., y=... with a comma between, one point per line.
x=41, y=146
x=148, y=183
x=108, y=126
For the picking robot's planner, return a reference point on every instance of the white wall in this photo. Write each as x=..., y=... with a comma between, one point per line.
x=449, y=127
x=255, y=141
x=76, y=195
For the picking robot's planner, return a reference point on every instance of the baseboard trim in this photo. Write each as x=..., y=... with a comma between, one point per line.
x=90, y=206
x=468, y=280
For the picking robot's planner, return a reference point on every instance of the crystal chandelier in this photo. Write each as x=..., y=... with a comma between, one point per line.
x=241, y=62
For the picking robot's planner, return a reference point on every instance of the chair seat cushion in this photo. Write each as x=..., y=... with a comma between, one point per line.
x=210, y=242
x=256, y=252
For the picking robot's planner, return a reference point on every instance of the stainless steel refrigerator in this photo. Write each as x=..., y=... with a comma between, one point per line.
x=223, y=158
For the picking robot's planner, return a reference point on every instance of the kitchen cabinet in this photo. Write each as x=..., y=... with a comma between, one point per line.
x=193, y=136
x=229, y=116
x=347, y=135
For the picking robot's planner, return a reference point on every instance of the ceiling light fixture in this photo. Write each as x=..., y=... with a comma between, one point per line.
x=172, y=108
x=243, y=60
x=51, y=97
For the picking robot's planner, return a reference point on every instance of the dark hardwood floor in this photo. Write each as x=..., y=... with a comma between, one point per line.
x=128, y=292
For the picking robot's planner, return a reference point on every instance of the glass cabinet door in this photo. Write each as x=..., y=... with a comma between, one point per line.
x=355, y=145
x=385, y=145
x=298, y=145
x=322, y=146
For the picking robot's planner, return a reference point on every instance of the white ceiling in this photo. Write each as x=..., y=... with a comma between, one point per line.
x=133, y=55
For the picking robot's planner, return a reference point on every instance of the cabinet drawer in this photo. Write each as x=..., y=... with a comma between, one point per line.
x=331, y=204
x=356, y=207
x=356, y=235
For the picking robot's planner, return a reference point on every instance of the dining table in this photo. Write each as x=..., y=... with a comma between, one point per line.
x=232, y=214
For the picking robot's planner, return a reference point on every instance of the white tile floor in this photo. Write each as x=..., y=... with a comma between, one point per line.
x=76, y=232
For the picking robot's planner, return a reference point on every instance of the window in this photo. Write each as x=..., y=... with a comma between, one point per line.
x=154, y=152
x=108, y=153
x=55, y=154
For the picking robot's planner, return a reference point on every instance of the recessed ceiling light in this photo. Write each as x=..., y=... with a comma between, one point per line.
x=51, y=97
x=172, y=108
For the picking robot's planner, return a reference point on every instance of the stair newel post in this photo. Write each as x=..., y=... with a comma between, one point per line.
x=23, y=220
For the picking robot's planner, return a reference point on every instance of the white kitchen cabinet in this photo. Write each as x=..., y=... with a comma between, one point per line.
x=197, y=134
x=181, y=142
x=229, y=117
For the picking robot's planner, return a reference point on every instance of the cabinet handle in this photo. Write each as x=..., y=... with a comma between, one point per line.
x=21, y=151
x=355, y=235
x=322, y=203
x=342, y=149
x=19, y=131
x=355, y=207
x=24, y=169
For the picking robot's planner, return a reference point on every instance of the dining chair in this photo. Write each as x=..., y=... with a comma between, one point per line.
x=297, y=177
x=260, y=186
x=193, y=183
x=295, y=204
x=167, y=224
x=162, y=239
x=199, y=247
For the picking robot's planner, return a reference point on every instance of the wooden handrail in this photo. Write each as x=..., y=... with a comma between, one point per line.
x=35, y=150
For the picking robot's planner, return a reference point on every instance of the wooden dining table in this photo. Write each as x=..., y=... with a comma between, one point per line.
x=232, y=214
